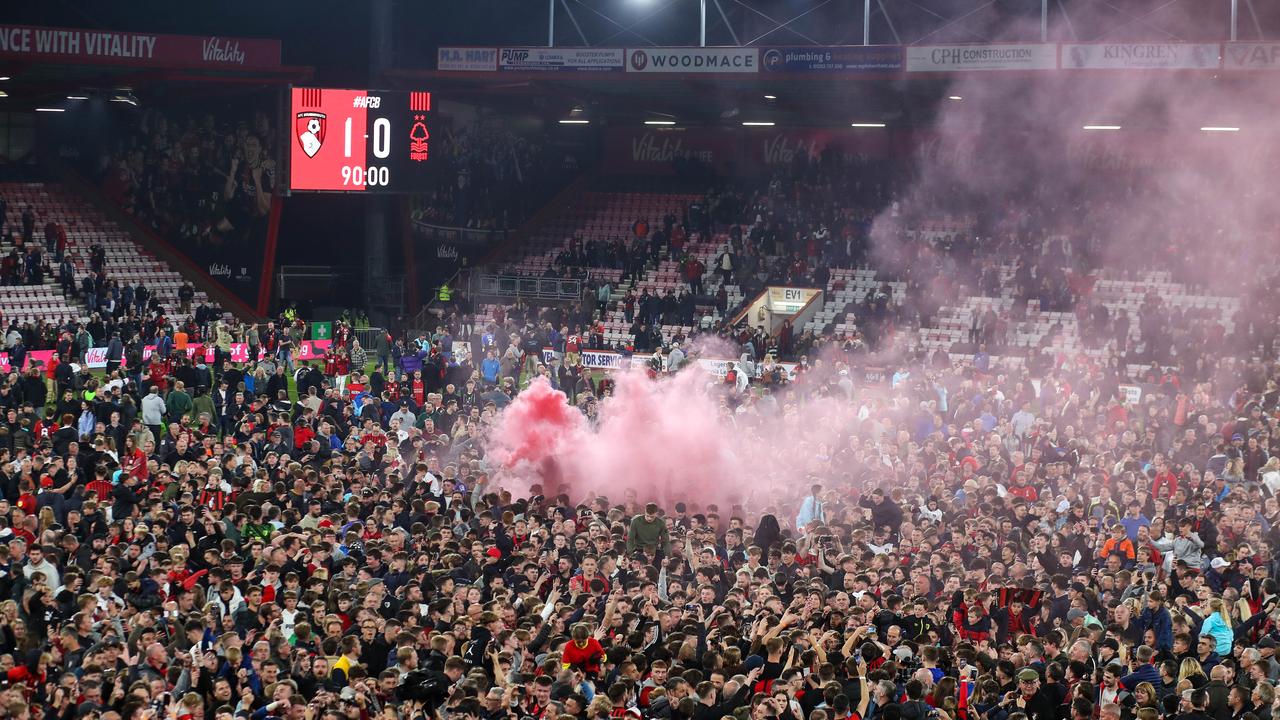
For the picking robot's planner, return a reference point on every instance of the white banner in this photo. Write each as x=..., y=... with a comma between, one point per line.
x=1140, y=56
x=96, y=357
x=474, y=59
x=693, y=60
x=571, y=59
x=1132, y=394
x=609, y=360
x=1251, y=56
x=949, y=58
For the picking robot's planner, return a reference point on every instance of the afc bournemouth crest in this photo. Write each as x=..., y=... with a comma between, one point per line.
x=309, y=127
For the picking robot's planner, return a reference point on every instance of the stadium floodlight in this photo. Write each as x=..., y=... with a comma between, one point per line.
x=51, y=109
x=3, y=78
x=3, y=94
x=757, y=123
x=954, y=97
x=866, y=125
x=77, y=97
x=770, y=97
x=659, y=122
x=1101, y=127
x=575, y=122
x=1212, y=128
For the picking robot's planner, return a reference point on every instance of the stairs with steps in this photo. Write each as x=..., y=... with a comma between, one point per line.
x=85, y=226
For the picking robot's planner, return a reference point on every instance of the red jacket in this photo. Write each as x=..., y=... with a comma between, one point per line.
x=1026, y=492
x=587, y=656
x=1166, y=478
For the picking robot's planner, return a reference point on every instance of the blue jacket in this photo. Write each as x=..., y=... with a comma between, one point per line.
x=1221, y=632
x=1159, y=623
x=1146, y=673
x=810, y=509
x=489, y=369
x=1131, y=526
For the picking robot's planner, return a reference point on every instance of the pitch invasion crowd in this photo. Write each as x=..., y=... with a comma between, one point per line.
x=980, y=546
x=183, y=540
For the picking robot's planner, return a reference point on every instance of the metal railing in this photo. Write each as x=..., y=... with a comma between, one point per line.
x=368, y=337
x=460, y=235
x=297, y=281
x=531, y=288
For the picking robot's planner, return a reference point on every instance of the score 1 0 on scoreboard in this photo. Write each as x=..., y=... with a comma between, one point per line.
x=359, y=140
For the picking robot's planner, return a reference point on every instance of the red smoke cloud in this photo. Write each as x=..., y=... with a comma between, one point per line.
x=663, y=439
x=538, y=426
x=673, y=439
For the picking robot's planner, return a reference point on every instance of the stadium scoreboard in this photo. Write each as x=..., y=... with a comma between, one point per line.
x=366, y=141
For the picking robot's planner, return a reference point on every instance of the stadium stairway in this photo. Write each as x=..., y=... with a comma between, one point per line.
x=604, y=216
x=155, y=256
x=85, y=226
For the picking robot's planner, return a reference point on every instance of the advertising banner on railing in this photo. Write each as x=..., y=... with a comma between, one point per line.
x=472, y=59
x=33, y=358
x=692, y=60
x=1251, y=56
x=655, y=151
x=951, y=58
x=96, y=358
x=104, y=47
x=307, y=350
x=1140, y=56
x=610, y=360
x=533, y=59
x=850, y=59
x=765, y=148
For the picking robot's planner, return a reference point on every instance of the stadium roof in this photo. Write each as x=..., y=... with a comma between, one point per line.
x=797, y=101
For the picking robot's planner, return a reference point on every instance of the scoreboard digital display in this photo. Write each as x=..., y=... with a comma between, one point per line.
x=359, y=140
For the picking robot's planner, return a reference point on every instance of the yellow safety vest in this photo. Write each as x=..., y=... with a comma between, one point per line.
x=445, y=294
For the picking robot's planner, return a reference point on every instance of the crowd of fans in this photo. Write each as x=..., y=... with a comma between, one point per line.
x=491, y=178
x=31, y=257
x=328, y=540
x=117, y=307
x=820, y=213
x=200, y=180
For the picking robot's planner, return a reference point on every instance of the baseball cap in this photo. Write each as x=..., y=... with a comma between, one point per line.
x=1218, y=563
x=493, y=552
